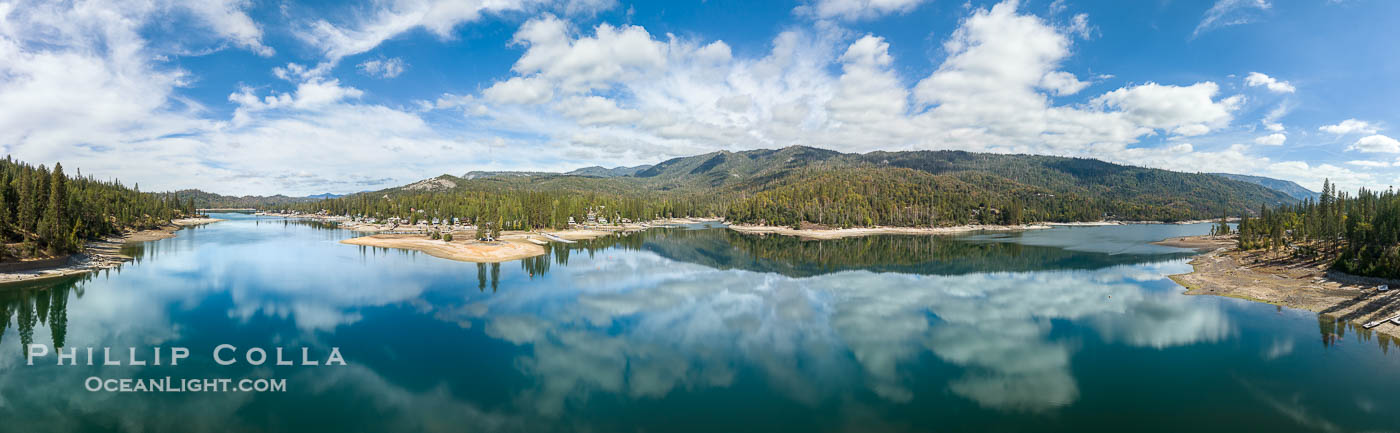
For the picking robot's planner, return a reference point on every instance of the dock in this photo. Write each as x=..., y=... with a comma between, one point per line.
x=226, y=209
x=1374, y=323
x=555, y=238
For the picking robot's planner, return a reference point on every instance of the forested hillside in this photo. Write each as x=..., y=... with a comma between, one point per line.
x=801, y=184
x=1113, y=191
x=1362, y=232
x=208, y=200
x=896, y=197
x=514, y=203
x=45, y=212
x=600, y=171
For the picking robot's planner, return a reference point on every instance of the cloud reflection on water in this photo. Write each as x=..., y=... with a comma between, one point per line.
x=637, y=324
x=644, y=325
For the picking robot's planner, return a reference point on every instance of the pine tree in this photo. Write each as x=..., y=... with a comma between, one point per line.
x=49, y=211
x=28, y=205
x=6, y=217
x=56, y=228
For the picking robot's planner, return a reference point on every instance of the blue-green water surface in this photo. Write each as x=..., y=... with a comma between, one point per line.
x=690, y=329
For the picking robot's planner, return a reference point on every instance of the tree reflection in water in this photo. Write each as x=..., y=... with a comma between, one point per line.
x=790, y=256
x=40, y=303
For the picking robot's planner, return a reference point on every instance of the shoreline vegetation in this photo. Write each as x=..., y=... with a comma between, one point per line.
x=1286, y=280
x=511, y=245
x=53, y=224
x=96, y=255
x=501, y=250
x=520, y=244
x=801, y=191
x=1329, y=256
x=508, y=246
x=799, y=185
x=46, y=214
x=816, y=232
x=819, y=233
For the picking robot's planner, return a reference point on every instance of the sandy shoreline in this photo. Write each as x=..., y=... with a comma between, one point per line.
x=102, y=254
x=512, y=245
x=1203, y=243
x=1123, y=223
x=821, y=234
x=184, y=222
x=460, y=250
x=1280, y=280
x=467, y=229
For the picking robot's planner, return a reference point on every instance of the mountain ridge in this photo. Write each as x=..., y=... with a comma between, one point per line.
x=799, y=184
x=1293, y=189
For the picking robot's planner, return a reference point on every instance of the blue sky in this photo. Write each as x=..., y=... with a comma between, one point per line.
x=264, y=97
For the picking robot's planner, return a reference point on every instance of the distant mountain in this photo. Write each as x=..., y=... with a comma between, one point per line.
x=802, y=184
x=208, y=200
x=490, y=174
x=1287, y=187
x=1127, y=189
x=727, y=168
x=809, y=184
x=599, y=171
x=594, y=171
x=441, y=183
x=325, y=196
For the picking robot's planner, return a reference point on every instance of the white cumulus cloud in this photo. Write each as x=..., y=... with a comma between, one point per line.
x=1376, y=144
x=1255, y=79
x=80, y=84
x=1164, y=107
x=1062, y=83
x=386, y=68
x=858, y=9
x=1271, y=140
x=1350, y=126
x=519, y=90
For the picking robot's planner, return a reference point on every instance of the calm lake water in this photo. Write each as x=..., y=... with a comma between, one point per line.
x=691, y=329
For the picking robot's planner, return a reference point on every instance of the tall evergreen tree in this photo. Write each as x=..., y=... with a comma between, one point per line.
x=56, y=228
x=47, y=211
x=28, y=209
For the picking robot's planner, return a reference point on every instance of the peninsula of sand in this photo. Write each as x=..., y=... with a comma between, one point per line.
x=512, y=245
x=1279, y=279
x=518, y=244
x=97, y=255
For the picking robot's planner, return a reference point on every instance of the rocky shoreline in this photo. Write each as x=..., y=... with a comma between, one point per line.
x=814, y=232
x=828, y=233
x=97, y=255
x=1279, y=279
